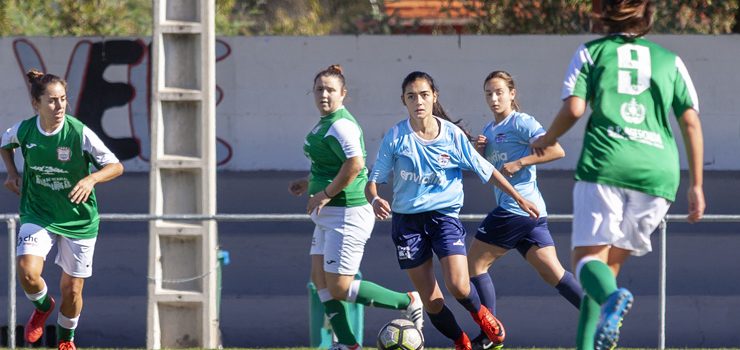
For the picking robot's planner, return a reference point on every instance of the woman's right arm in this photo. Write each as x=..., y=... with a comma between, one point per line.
x=13, y=180
x=381, y=207
x=694, y=142
x=299, y=186
x=498, y=180
x=381, y=170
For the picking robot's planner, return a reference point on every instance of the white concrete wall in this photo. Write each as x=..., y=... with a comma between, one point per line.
x=267, y=107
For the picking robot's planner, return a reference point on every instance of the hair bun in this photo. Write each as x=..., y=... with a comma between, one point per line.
x=335, y=68
x=34, y=74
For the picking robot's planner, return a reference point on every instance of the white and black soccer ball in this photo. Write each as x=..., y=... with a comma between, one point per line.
x=400, y=334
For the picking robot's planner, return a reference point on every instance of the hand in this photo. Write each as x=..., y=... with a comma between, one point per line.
x=298, y=187
x=542, y=142
x=480, y=144
x=13, y=183
x=510, y=168
x=529, y=207
x=316, y=202
x=381, y=208
x=82, y=189
x=696, y=204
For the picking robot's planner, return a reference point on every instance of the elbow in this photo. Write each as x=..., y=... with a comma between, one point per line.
x=119, y=169
x=559, y=152
x=574, y=107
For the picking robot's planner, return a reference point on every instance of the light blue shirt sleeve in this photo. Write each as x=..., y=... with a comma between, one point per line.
x=470, y=159
x=383, y=166
x=529, y=128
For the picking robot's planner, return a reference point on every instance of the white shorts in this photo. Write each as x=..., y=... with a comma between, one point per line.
x=340, y=236
x=75, y=256
x=620, y=217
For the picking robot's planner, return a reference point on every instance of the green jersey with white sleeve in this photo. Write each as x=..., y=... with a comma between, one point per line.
x=630, y=84
x=336, y=138
x=53, y=164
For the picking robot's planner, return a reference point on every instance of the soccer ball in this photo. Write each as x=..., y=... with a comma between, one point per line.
x=400, y=334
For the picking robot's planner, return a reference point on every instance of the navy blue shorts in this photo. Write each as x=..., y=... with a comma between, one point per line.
x=508, y=230
x=416, y=236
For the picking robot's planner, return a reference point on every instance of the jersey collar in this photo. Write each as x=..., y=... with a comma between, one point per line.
x=56, y=131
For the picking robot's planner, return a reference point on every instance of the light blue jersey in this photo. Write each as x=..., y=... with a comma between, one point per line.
x=508, y=141
x=427, y=174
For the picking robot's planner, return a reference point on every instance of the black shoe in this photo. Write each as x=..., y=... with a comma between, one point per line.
x=481, y=342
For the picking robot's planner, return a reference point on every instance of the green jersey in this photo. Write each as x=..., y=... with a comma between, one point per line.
x=336, y=138
x=630, y=85
x=53, y=164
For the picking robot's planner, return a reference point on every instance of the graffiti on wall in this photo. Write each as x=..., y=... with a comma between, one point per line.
x=89, y=94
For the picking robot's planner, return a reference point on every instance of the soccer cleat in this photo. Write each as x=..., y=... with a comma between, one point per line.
x=481, y=342
x=35, y=326
x=67, y=345
x=490, y=325
x=415, y=311
x=612, y=312
x=338, y=346
x=463, y=343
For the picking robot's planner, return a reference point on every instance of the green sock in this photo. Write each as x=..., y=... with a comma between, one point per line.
x=371, y=294
x=337, y=313
x=597, y=280
x=64, y=334
x=43, y=304
x=590, y=312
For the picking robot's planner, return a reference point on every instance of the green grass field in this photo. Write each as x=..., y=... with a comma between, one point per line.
x=368, y=348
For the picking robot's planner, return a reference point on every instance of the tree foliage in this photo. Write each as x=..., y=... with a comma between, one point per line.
x=75, y=17
x=575, y=16
x=322, y=17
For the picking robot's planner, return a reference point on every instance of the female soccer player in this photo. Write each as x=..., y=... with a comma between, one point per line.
x=628, y=172
x=343, y=217
x=426, y=154
x=58, y=204
x=505, y=143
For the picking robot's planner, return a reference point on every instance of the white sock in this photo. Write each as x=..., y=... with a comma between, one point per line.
x=354, y=290
x=66, y=322
x=324, y=295
x=39, y=295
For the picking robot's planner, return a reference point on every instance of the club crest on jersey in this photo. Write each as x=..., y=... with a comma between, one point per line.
x=64, y=154
x=632, y=112
x=500, y=138
x=444, y=159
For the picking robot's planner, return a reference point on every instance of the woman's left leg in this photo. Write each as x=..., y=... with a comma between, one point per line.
x=545, y=262
x=457, y=280
x=69, y=311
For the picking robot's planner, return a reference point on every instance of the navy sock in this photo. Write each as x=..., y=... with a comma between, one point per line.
x=570, y=289
x=472, y=301
x=487, y=292
x=446, y=324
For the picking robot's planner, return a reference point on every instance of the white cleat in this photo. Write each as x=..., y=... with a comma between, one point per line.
x=415, y=311
x=338, y=346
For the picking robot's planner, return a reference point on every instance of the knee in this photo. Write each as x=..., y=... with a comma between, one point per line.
x=28, y=274
x=71, y=290
x=478, y=267
x=29, y=277
x=434, y=305
x=460, y=289
x=338, y=292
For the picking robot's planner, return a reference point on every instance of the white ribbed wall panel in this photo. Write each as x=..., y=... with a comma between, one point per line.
x=182, y=301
